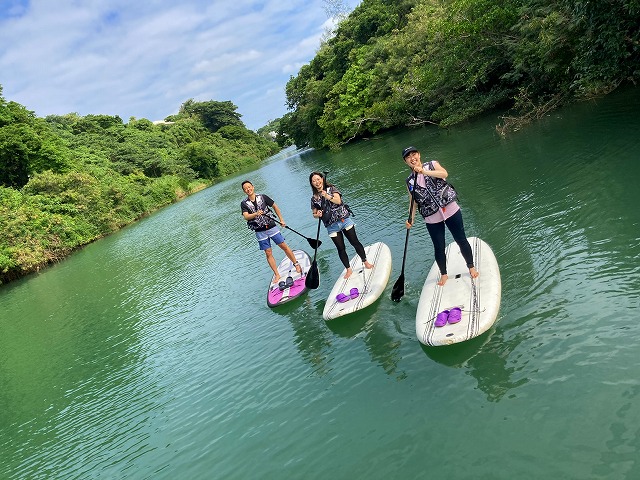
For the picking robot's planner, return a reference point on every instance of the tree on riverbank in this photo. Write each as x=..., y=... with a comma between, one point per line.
x=409, y=62
x=67, y=180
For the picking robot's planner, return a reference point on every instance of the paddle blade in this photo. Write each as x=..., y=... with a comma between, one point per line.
x=397, y=292
x=313, y=243
x=313, y=276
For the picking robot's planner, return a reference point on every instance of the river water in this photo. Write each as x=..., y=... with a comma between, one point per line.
x=152, y=353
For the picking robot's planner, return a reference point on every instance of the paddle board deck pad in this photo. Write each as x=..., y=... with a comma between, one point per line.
x=369, y=282
x=295, y=286
x=479, y=298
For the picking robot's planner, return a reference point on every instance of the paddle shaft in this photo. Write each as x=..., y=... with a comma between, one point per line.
x=314, y=243
x=317, y=236
x=313, y=277
x=320, y=220
x=406, y=239
x=397, y=292
x=411, y=204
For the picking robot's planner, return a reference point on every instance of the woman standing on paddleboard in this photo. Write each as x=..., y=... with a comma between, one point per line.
x=255, y=210
x=436, y=200
x=326, y=203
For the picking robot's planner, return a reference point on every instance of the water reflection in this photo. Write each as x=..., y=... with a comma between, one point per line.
x=311, y=337
x=486, y=358
x=384, y=348
x=315, y=338
x=622, y=436
x=368, y=324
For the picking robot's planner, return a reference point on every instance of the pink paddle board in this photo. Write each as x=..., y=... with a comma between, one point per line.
x=293, y=281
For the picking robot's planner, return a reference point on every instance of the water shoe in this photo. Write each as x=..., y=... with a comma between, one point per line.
x=455, y=315
x=441, y=319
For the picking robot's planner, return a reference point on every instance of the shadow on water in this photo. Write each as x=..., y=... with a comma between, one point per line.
x=458, y=354
x=311, y=338
x=368, y=324
x=384, y=350
x=315, y=337
x=485, y=358
x=349, y=326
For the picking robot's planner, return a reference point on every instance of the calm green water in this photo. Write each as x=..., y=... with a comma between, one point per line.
x=152, y=354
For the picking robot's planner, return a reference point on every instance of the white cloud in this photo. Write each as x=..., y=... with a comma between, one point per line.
x=292, y=68
x=144, y=59
x=226, y=61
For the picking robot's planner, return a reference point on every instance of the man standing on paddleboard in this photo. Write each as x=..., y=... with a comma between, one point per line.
x=255, y=210
x=436, y=200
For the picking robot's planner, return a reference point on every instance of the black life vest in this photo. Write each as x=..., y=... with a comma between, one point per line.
x=262, y=222
x=332, y=212
x=436, y=193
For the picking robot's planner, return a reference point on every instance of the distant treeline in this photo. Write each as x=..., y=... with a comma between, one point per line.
x=409, y=62
x=68, y=180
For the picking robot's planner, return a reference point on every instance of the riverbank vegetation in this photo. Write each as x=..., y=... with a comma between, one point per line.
x=397, y=63
x=68, y=180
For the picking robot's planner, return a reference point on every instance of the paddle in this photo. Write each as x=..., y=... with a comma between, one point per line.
x=397, y=292
x=313, y=276
x=313, y=243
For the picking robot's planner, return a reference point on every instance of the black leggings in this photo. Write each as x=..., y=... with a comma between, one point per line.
x=353, y=240
x=456, y=227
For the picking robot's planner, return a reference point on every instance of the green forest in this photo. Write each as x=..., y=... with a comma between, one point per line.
x=68, y=180
x=394, y=63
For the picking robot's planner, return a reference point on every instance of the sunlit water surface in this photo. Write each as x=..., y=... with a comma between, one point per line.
x=152, y=353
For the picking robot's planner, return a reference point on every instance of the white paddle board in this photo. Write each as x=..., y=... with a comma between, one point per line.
x=293, y=281
x=479, y=298
x=369, y=282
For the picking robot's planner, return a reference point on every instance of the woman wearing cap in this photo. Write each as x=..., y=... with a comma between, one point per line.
x=437, y=202
x=326, y=203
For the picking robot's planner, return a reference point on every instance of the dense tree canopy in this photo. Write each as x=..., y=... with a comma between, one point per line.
x=66, y=180
x=213, y=115
x=409, y=62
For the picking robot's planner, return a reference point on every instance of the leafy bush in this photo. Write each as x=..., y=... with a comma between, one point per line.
x=68, y=180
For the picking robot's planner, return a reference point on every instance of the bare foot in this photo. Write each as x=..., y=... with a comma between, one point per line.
x=473, y=272
x=276, y=279
x=298, y=269
x=348, y=274
x=443, y=279
x=368, y=265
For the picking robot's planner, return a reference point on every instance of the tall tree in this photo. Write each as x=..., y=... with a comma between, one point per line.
x=213, y=115
x=14, y=158
x=409, y=62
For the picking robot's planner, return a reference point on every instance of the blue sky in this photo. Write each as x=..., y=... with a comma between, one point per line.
x=143, y=59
